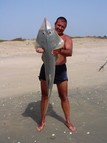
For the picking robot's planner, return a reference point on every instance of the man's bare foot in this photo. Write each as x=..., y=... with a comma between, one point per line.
x=40, y=126
x=70, y=126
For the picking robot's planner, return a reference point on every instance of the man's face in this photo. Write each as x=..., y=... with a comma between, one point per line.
x=60, y=26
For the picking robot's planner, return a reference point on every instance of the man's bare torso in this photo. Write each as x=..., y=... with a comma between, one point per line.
x=61, y=57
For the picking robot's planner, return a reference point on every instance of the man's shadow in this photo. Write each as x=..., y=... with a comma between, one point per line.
x=33, y=111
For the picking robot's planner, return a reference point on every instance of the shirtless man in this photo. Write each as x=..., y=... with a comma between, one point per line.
x=61, y=79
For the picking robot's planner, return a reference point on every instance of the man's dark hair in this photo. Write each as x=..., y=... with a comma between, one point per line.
x=62, y=18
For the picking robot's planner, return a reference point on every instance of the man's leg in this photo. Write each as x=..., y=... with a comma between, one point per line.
x=44, y=105
x=63, y=94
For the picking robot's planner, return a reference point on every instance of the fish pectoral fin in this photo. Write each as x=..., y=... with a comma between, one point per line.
x=60, y=44
x=37, y=45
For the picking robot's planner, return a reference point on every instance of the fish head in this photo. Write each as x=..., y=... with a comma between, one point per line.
x=48, y=38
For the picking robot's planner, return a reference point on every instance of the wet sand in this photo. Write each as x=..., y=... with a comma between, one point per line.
x=20, y=95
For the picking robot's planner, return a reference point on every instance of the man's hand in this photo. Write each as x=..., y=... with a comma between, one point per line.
x=55, y=52
x=39, y=50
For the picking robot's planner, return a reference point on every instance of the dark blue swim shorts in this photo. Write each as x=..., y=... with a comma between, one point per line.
x=60, y=73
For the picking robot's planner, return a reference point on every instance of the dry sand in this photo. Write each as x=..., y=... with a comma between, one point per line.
x=20, y=94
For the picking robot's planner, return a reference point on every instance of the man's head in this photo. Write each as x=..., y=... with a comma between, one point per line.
x=60, y=25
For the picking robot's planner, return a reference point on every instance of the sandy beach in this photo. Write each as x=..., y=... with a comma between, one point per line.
x=20, y=94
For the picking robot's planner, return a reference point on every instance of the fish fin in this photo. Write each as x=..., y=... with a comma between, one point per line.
x=37, y=45
x=60, y=44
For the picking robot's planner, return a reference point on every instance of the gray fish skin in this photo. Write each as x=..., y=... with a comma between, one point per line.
x=48, y=39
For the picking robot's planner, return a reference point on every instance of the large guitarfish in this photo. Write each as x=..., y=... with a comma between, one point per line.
x=48, y=39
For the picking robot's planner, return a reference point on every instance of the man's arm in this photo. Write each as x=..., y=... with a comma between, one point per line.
x=68, y=47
